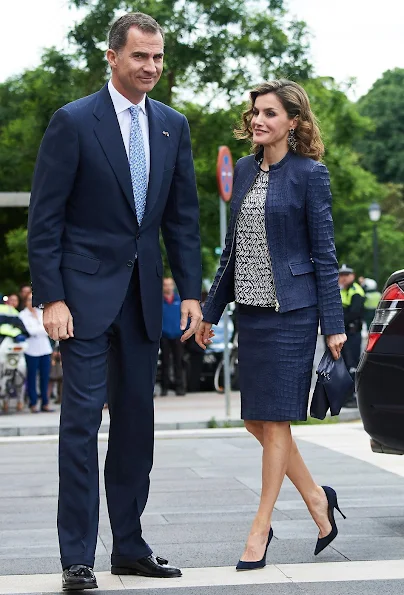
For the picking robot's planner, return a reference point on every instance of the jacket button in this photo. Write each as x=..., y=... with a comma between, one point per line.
x=138, y=236
x=129, y=263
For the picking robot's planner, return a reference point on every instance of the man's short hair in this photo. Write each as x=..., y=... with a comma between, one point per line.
x=118, y=34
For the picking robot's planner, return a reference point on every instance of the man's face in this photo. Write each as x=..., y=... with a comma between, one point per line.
x=137, y=67
x=346, y=279
x=13, y=300
x=24, y=291
x=168, y=286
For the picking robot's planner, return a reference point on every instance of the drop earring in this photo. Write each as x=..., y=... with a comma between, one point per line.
x=292, y=140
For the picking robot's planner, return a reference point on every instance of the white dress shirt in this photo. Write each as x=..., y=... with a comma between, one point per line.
x=122, y=105
x=38, y=341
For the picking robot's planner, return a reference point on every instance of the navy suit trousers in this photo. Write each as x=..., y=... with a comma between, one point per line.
x=119, y=366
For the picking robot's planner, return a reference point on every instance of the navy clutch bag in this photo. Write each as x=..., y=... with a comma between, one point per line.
x=334, y=385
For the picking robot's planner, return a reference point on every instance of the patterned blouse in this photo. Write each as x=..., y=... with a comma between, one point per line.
x=253, y=277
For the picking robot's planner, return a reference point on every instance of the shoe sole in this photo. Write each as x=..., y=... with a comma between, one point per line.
x=129, y=571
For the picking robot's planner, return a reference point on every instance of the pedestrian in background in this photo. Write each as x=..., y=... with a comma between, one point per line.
x=56, y=375
x=353, y=301
x=372, y=299
x=170, y=343
x=24, y=291
x=13, y=300
x=279, y=264
x=37, y=355
x=195, y=358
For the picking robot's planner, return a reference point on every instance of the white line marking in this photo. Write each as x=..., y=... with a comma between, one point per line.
x=207, y=577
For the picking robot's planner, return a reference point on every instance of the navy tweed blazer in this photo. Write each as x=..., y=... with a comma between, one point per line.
x=300, y=235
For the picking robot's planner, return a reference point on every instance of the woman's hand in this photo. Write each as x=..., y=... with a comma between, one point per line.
x=204, y=334
x=335, y=343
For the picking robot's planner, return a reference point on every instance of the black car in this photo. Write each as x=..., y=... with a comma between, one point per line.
x=380, y=375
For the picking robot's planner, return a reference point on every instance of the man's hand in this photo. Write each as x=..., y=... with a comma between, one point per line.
x=190, y=309
x=204, y=334
x=335, y=343
x=58, y=321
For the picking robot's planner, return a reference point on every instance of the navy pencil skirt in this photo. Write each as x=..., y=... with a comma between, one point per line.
x=276, y=353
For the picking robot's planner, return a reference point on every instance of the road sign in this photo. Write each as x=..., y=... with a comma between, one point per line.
x=224, y=173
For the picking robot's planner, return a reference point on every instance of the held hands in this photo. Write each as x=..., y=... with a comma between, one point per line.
x=58, y=321
x=204, y=334
x=335, y=343
x=190, y=309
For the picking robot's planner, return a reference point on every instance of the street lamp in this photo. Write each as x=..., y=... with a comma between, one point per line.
x=374, y=215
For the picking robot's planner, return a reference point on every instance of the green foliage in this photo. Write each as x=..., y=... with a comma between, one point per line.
x=382, y=147
x=16, y=240
x=353, y=187
x=27, y=103
x=228, y=44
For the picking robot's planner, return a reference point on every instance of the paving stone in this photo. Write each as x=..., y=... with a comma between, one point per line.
x=396, y=525
x=346, y=528
x=48, y=564
x=195, y=484
x=393, y=587
x=172, y=473
x=192, y=534
x=207, y=517
x=266, y=589
x=358, y=512
x=365, y=548
x=184, y=501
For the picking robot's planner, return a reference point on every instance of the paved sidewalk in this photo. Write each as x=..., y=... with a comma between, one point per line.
x=195, y=410
x=204, y=492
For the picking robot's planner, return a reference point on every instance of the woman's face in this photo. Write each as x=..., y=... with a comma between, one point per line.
x=270, y=122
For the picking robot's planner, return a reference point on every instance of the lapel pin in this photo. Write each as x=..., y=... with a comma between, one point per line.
x=166, y=133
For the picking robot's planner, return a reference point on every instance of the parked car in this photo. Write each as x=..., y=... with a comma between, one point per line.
x=380, y=375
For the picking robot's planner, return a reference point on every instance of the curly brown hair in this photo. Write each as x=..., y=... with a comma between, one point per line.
x=297, y=105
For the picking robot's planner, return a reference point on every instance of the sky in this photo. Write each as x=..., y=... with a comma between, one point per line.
x=351, y=38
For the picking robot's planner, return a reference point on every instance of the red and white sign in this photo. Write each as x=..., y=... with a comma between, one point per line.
x=224, y=173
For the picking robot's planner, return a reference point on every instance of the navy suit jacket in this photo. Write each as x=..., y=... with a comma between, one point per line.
x=83, y=235
x=300, y=239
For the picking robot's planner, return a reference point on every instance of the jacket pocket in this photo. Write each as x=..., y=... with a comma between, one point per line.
x=300, y=268
x=79, y=262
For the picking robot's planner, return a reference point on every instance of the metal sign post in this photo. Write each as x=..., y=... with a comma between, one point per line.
x=224, y=174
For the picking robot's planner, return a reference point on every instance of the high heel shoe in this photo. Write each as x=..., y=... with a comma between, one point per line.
x=261, y=563
x=322, y=542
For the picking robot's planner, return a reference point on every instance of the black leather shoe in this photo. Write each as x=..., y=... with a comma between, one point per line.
x=149, y=566
x=78, y=577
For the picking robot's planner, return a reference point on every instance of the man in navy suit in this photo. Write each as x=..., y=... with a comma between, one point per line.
x=113, y=168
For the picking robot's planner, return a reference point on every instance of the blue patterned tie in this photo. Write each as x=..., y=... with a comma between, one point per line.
x=137, y=163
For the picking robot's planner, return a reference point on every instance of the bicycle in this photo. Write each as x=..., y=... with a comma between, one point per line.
x=12, y=373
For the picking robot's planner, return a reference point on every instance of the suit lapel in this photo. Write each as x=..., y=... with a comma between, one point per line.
x=159, y=144
x=109, y=136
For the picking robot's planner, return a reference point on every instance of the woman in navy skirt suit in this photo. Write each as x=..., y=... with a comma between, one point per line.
x=280, y=267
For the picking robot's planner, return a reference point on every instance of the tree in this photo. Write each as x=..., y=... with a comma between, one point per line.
x=382, y=147
x=226, y=45
x=353, y=187
x=27, y=103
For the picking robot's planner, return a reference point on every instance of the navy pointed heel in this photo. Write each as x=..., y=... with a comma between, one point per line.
x=322, y=542
x=260, y=563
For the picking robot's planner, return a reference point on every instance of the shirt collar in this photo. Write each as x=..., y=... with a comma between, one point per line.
x=121, y=103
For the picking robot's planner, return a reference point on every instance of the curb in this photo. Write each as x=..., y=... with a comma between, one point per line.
x=346, y=415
